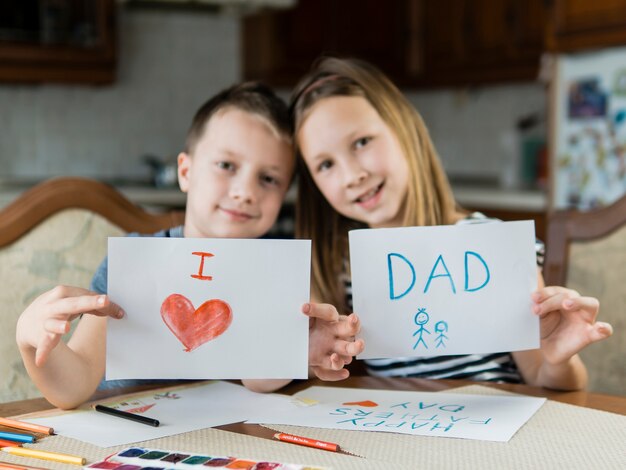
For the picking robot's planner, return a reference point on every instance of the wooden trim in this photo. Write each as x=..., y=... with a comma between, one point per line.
x=55, y=195
x=565, y=227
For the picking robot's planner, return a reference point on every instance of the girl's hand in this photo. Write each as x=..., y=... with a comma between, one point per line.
x=44, y=321
x=331, y=340
x=568, y=322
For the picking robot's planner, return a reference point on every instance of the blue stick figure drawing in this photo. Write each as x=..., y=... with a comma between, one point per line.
x=421, y=318
x=441, y=327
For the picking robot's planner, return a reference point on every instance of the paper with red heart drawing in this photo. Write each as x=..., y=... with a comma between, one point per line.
x=208, y=308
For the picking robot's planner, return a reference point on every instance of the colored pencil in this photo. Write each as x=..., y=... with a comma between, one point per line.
x=16, y=436
x=44, y=455
x=12, y=423
x=7, y=443
x=127, y=415
x=8, y=466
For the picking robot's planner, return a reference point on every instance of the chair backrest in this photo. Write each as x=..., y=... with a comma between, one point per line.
x=586, y=251
x=56, y=233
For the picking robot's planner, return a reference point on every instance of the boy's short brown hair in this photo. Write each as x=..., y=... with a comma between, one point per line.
x=252, y=97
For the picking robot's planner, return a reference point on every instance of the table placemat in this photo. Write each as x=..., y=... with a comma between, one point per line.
x=206, y=441
x=559, y=435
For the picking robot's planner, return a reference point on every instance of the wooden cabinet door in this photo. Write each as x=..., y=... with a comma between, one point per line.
x=481, y=41
x=74, y=43
x=280, y=46
x=575, y=25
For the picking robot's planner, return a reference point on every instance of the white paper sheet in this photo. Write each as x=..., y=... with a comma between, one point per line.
x=444, y=290
x=162, y=281
x=488, y=418
x=180, y=410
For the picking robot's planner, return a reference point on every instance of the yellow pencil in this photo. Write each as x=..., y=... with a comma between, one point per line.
x=45, y=455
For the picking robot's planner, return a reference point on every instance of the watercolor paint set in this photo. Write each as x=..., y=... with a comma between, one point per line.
x=141, y=458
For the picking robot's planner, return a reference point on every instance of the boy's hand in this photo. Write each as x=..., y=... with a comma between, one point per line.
x=48, y=317
x=568, y=322
x=331, y=340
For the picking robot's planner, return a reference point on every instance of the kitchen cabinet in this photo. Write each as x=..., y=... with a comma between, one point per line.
x=416, y=42
x=481, y=41
x=575, y=25
x=279, y=46
x=63, y=41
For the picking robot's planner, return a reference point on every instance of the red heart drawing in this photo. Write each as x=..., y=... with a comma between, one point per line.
x=194, y=327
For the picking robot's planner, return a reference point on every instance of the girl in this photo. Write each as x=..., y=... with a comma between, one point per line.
x=367, y=161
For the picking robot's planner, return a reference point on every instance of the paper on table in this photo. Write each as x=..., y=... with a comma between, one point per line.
x=445, y=290
x=179, y=410
x=488, y=418
x=208, y=308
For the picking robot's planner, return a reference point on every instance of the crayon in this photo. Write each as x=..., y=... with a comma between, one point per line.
x=16, y=436
x=44, y=455
x=7, y=443
x=9, y=466
x=127, y=415
x=305, y=441
x=12, y=423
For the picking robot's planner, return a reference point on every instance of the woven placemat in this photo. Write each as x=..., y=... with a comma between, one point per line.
x=557, y=436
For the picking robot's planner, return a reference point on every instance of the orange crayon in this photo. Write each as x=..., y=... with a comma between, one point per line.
x=8, y=466
x=7, y=443
x=305, y=441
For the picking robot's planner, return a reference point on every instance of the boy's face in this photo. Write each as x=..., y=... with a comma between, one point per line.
x=237, y=177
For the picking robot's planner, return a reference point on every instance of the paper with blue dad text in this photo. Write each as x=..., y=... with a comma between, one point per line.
x=445, y=290
x=208, y=308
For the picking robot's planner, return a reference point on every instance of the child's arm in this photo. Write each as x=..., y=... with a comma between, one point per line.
x=567, y=324
x=66, y=374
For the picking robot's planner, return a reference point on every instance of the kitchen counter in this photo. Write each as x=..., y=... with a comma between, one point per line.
x=491, y=197
x=468, y=195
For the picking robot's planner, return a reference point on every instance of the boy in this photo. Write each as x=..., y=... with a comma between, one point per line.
x=236, y=168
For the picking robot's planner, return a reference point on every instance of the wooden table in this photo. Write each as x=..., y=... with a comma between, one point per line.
x=613, y=404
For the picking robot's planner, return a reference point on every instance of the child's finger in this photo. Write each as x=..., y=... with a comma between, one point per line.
x=44, y=347
x=550, y=291
x=355, y=348
x=55, y=326
x=93, y=304
x=551, y=304
x=349, y=348
x=601, y=330
x=589, y=304
x=330, y=375
x=348, y=326
x=324, y=312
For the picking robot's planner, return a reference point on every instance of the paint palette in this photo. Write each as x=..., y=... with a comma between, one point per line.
x=141, y=458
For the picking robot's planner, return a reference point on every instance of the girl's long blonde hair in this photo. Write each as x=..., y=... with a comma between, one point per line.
x=429, y=199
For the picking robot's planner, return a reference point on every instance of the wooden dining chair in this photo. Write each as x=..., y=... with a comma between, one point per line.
x=56, y=233
x=586, y=251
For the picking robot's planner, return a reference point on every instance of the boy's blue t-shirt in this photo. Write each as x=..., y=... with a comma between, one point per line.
x=99, y=284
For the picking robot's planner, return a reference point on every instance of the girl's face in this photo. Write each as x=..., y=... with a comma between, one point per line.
x=355, y=160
